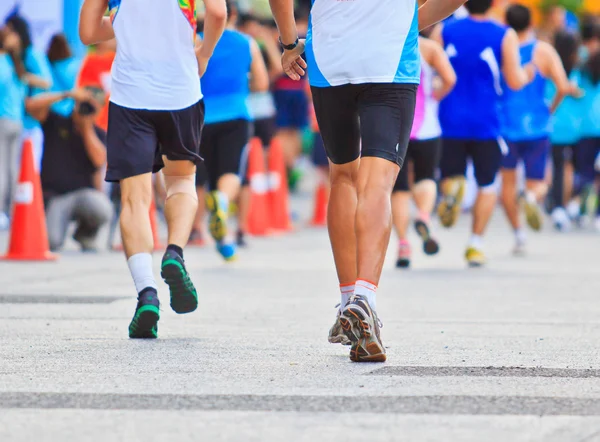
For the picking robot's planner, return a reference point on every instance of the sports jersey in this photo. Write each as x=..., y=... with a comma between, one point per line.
x=362, y=41
x=525, y=113
x=225, y=82
x=155, y=67
x=426, y=125
x=565, y=123
x=472, y=109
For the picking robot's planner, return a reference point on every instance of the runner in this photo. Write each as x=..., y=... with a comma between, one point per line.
x=363, y=59
x=526, y=126
x=155, y=121
x=481, y=51
x=228, y=128
x=424, y=152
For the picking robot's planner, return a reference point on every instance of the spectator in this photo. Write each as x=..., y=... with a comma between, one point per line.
x=74, y=153
x=590, y=37
x=12, y=93
x=65, y=69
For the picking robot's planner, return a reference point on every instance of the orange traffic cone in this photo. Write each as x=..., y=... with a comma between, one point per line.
x=278, y=189
x=320, y=209
x=258, y=222
x=28, y=236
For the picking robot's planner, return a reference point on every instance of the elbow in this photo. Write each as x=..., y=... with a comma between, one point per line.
x=85, y=36
x=451, y=82
x=514, y=84
x=217, y=11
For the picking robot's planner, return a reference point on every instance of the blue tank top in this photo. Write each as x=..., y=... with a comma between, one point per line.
x=565, y=123
x=525, y=113
x=472, y=110
x=590, y=107
x=225, y=84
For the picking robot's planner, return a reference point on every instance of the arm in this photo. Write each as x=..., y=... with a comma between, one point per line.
x=434, y=11
x=515, y=75
x=435, y=56
x=274, y=56
x=259, y=77
x=39, y=106
x=215, y=21
x=93, y=26
x=283, y=13
x=37, y=82
x=550, y=66
x=94, y=146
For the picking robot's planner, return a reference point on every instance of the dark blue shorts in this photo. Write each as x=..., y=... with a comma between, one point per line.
x=292, y=109
x=319, y=156
x=137, y=139
x=533, y=153
x=486, y=156
x=585, y=157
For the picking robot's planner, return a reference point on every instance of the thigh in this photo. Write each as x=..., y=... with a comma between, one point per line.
x=454, y=158
x=319, y=156
x=535, y=157
x=264, y=129
x=179, y=132
x=511, y=159
x=386, y=117
x=209, y=150
x=585, y=156
x=59, y=212
x=131, y=143
x=487, y=159
x=336, y=110
x=426, y=157
x=201, y=174
x=232, y=147
x=299, y=110
x=92, y=204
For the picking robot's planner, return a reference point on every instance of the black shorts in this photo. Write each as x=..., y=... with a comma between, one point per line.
x=485, y=154
x=425, y=156
x=377, y=115
x=137, y=139
x=264, y=129
x=224, y=148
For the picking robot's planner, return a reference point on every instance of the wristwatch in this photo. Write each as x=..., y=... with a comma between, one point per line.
x=289, y=47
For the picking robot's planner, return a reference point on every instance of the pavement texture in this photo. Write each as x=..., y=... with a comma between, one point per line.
x=505, y=353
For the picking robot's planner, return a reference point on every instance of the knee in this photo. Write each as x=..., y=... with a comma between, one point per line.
x=344, y=174
x=184, y=185
x=136, y=194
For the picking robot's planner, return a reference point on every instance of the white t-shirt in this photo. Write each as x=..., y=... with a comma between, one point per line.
x=155, y=67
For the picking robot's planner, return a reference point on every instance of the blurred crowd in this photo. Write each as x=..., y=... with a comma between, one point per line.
x=60, y=103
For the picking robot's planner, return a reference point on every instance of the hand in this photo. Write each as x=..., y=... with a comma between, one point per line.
x=80, y=95
x=12, y=42
x=575, y=91
x=292, y=62
x=202, y=58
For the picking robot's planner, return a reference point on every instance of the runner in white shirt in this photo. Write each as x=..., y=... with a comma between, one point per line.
x=156, y=115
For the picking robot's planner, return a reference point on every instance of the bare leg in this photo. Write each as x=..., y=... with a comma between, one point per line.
x=509, y=197
x=400, y=213
x=229, y=184
x=180, y=208
x=424, y=194
x=482, y=211
x=292, y=145
x=136, y=231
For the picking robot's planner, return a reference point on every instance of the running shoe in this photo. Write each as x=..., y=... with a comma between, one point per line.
x=403, y=261
x=336, y=333
x=227, y=249
x=361, y=326
x=561, y=219
x=430, y=245
x=520, y=248
x=533, y=212
x=475, y=257
x=241, y=239
x=453, y=190
x=144, y=324
x=217, y=222
x=184, y=298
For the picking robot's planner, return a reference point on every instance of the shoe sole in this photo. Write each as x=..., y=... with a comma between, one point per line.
x=144, y=323
x=217, y=223
x=366, y=346
x=183, y=300
x=475, y=264
x=533, y=216
x=449, y=208
x=430, y=245
x=403, y=263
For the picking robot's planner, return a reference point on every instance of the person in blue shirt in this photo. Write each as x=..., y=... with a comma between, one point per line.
x=65, y=70
x=236, y=68
x=12, y=97
x=526, y=125
x=481, y=52
x=587, y=153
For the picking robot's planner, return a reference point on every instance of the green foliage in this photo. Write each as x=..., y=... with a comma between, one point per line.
x=570, y=5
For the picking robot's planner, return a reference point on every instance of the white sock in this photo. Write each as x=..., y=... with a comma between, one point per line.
x=476, y=242
x=530, y=197
x=223, y=201
x=367, y=290
x=346, y=290
x=520, y=235
x=140, y=267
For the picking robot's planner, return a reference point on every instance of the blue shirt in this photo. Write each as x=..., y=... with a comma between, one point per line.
x=525, y=113
x=225, y=84
x=472, y=110
x=565, y=123
x=64, y=77
x=12, y=91
x=590, y=107
x=36, y=63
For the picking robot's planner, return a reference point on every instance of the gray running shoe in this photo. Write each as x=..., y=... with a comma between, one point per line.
x=361, y=326
x=336, y=333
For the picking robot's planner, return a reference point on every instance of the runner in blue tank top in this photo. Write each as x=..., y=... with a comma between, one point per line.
x=526, y=125
x=236, y=68
x=481, y=52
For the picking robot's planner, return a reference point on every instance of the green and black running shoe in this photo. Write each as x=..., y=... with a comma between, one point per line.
x=144, y=324
x=184, y=298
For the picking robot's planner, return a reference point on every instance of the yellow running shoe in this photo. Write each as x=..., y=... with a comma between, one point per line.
x=217, y=222
x=533, y=213
x=475, y=257
x=453, y=191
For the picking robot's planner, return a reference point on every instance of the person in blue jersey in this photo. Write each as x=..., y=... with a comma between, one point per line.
x=364, y=69
x=481, y=52
x=39, y=79
x=65, y=70
x=526, y=125
x=565, y=131
x=236, y=68
x=587, y=152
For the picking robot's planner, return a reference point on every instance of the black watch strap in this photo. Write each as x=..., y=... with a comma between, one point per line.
x=289, y=47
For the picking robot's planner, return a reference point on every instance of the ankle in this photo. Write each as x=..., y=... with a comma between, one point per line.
x=175, y=249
